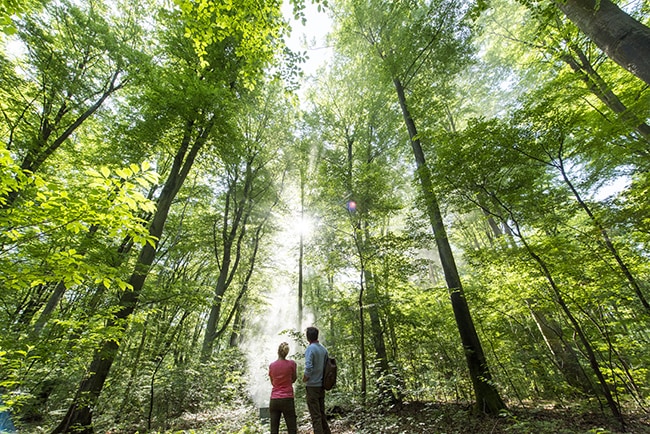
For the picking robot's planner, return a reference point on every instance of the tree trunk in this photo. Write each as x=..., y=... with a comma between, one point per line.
x=382, y=370
x=210, y=335
x=232, y=234
x=591, y=355
x=609, y=244
x=135, y=364
x=237, y=327
x=487, y=397
x=625, y=40
x=78, y=418
x=60, y=288
x=42, y=148
x=559, y=299
x=237, y=305
x=597, y=85
x=164, y=347
x=564, y=355
x=301, y=249
x=362, y=331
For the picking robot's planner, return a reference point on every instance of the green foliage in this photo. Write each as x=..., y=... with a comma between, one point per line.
x=185, y=396
x=109, y=200
x=11, y=8
x=13, y=179
x=55, y=235
x=521, y=191
x=258, y=27
x=74, y=59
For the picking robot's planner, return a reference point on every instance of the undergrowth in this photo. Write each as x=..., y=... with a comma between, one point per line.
x=424, y=418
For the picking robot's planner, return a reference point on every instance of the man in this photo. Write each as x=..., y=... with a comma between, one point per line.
x=313, y=378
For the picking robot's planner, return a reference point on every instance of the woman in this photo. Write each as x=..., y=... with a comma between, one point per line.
x=283, y=374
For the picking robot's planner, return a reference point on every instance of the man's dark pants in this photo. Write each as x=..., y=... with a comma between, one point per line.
x=316, y=406
x=285, y=406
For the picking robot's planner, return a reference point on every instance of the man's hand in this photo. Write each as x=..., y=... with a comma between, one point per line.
x=305, y=378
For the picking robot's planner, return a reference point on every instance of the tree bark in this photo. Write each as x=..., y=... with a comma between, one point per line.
x=60, y=288
x=237, y=305
x=487, y=397
x=301, y=249
x=37, y=155
x=237, y=327
x=625, y=40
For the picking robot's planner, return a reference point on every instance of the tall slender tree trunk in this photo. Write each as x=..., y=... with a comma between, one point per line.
x=487, y=397
x=559, y=299
x=386, y=391
x=625, y=40
x=301, y=251
x=564, y=355
x=591, y=355
x=210, y=335
x=362, y=331
x=237, y=327
x=609, y=244
x=237, y=305
x=232, y=234
x=135, y=364
x=163, y=348
x=78, y=418
x=382, y=372
x=582, y=66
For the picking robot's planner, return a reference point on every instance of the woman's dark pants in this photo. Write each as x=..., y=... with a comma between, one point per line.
x=286, y=407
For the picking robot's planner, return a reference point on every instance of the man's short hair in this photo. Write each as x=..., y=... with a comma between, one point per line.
x=312, y=334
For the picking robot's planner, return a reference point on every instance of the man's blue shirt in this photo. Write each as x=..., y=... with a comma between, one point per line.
x=314, y=364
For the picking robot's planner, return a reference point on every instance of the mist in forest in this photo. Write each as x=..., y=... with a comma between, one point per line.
x=279, y=321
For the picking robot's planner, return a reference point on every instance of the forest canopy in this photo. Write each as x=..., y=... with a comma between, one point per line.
x=457, y=199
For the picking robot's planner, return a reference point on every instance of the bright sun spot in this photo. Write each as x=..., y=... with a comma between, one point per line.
x=304, y=226
x=15, y=48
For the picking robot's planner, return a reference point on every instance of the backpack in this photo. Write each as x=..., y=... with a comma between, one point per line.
x=329, y=373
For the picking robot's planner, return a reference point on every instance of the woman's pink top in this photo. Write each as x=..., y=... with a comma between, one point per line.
x=283, y=374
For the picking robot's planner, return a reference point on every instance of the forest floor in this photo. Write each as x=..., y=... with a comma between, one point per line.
x=438, y=418
x=434, y=418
